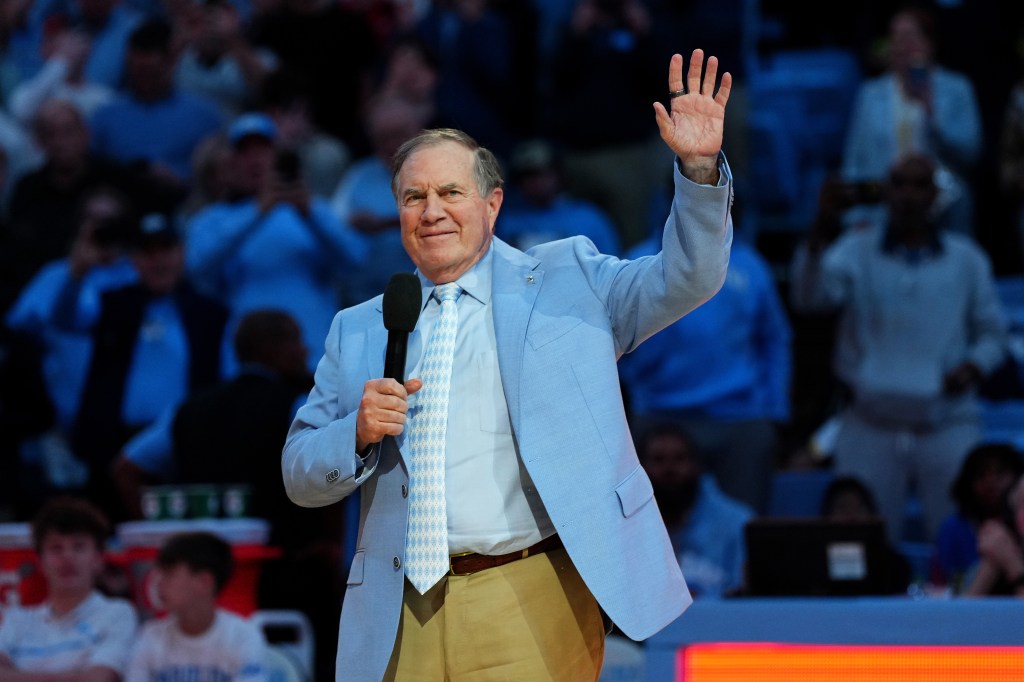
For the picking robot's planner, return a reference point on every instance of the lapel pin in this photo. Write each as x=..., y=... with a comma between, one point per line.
x=529, y=279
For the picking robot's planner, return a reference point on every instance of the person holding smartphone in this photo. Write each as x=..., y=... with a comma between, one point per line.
x=915, y=106
x=271, y=244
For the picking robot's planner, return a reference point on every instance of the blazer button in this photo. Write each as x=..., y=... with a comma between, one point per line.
x=397, y=562
x=405, y=490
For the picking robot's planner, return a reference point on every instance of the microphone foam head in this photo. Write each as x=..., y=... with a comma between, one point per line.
x=402, y=302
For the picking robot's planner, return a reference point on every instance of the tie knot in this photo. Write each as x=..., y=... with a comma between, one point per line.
x=447, y=292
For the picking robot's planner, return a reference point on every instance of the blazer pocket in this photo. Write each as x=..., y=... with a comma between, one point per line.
x=544, y=332
x=634, y=492
x=355, y=573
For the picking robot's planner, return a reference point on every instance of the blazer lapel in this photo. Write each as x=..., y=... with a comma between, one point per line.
x=515, y=284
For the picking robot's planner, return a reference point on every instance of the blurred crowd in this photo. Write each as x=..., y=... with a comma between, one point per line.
x=190, y=189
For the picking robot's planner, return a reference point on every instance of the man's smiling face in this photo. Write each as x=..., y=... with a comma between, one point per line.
x=446, y=224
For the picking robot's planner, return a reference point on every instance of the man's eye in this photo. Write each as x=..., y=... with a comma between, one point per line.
x=413, y=199
x=453, y=193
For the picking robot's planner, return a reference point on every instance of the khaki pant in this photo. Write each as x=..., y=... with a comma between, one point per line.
x=533, y=619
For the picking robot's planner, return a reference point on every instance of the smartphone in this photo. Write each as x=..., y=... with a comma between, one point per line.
x=288, y=166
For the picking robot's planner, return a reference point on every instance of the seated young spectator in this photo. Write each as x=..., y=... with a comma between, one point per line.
x=979, y=490
x=77, y=633
x=196, y=640
x=705, y=525
x=1001, y=568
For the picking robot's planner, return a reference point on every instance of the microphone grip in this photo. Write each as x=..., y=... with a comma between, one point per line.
x=394, y=356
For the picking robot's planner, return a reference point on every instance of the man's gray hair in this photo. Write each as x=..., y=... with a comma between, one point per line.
x=486, y=169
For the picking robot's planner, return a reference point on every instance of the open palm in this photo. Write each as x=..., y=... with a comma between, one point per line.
x=693, y=127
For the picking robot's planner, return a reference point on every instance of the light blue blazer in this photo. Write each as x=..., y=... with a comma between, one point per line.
x=563, y=315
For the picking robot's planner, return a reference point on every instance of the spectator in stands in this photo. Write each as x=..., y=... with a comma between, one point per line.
x=723, y=373
x=106, y=24
x=922, y=325
x=606, y=60
x=848, y=500
x=196, y=640
x=364, y=200
x=474, y=47
x=152, y=124
x=284, y=97
x=211, y=177
x=979, y=490
x=45, y=204
x=233, y=431
x=98, y=261
x=77, y=633
x=153, y=343
x=274, y=246
x=919, y=107
x=66, y=51
x=1001, y=568
x=539, y=210
x=704, y=524
x=216, y=60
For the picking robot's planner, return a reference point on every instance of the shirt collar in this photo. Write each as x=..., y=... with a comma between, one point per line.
x=891, y=246
x=93, y=596
x=476, y=281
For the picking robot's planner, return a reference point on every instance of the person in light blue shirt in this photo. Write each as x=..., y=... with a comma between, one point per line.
x=723, y=372
x=274, y=246
x=704, y=524
x=98, y=258
x=915, y=106
x=152, y=123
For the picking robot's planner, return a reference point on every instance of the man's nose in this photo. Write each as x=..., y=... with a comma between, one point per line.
x=433, y=208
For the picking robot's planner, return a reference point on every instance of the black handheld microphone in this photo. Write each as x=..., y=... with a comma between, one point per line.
x=402, y=303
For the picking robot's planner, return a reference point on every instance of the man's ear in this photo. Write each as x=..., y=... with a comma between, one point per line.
x=494, y=205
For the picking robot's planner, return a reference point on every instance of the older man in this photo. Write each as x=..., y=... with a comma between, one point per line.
x=503, y=505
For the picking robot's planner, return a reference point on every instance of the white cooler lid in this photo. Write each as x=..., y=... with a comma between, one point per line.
x=15, y=535
x=245, y=531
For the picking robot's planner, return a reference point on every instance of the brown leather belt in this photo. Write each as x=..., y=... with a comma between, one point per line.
x=471, y=562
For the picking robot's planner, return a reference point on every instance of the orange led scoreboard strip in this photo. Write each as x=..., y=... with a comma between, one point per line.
x=746, y=662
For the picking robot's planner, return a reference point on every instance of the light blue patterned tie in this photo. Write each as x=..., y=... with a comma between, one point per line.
x=426, y=544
